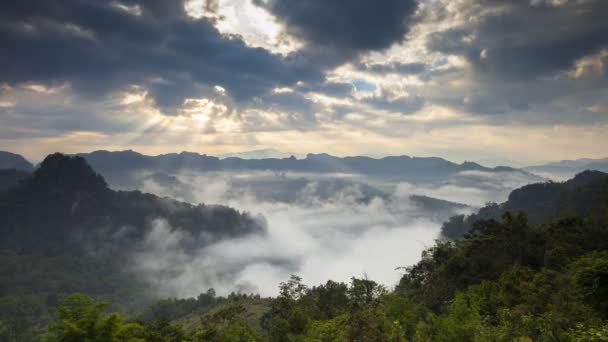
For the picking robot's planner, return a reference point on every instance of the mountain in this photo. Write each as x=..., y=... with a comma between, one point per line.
x=568, y=168
x=113, y=164
x=63, y=230
x=10, y=160
x=259, y=154
x=65, y=200
x=585, y=195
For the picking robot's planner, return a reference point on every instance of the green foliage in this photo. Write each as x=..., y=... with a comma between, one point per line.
x=333, y=330
x=584, y=333
x=162, y=330
x=174, y=308
x=226, y=325
x=364, y=291
x=20, y=315
x=80, y=318
x=331, y=299
x=590, y=275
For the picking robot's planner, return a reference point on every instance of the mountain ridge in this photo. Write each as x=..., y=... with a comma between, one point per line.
x=106, y=160
x=418, y=168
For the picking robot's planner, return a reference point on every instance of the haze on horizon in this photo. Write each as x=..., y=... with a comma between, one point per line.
x=502, y=82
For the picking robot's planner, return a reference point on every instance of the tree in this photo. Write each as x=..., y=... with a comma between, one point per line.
x=161, y=330
x=80, y=318
x=226, y=325
x=364, y=291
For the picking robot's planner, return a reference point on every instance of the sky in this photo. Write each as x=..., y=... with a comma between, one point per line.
x=521, y=81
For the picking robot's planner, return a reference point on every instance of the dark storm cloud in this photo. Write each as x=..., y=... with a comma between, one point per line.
x=527, y=39
x=522, y=56
x=339, y=30
x=102, y=46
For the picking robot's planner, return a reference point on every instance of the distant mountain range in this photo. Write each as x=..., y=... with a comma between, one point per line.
x=566, y=169
x=411, y=168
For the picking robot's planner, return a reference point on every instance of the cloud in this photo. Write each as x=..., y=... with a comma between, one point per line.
x=323, y=228
x=401, y=104
x=151, y=75
x=338, y=30
x=526, y=39
x=395, y=68
x=520, y=56
x=103, y=47
x=319, y=226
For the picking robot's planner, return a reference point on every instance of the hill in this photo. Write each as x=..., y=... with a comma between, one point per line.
x=585, y=195
x=566, y=169
x=14, y=161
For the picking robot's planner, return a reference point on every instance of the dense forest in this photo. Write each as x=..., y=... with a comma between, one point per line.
x=534, y=270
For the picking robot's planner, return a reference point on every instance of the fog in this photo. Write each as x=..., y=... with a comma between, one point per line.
x=319, y=227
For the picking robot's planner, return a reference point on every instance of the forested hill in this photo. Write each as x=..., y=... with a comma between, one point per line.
x=585, y=195
x=65, y=203
x=63, y=231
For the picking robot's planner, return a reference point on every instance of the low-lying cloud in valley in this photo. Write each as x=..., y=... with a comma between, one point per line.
x=318, y=226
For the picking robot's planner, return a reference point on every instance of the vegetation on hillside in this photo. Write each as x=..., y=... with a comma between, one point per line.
x=585, y=195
